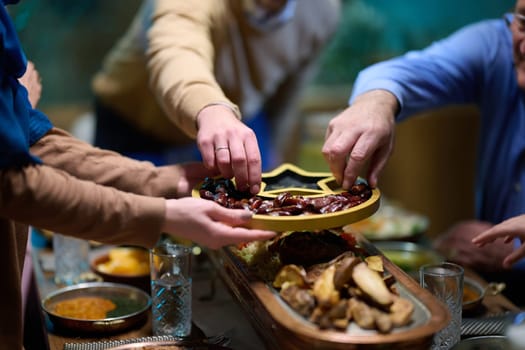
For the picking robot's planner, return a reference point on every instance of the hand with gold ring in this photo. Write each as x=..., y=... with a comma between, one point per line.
x=229, y=146
x=218, y=148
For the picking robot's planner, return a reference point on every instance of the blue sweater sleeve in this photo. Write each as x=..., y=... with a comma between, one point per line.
x=447, y=72
x=20, y=125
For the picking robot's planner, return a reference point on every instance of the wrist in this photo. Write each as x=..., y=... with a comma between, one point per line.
x=383, y=101
x=212, y=108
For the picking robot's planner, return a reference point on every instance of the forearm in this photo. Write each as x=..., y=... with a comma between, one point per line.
x=442, y=74
x=181, y=56
x=52, y=199
x=60, y=150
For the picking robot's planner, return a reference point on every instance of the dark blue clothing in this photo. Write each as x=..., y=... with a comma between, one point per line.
x=20, y=124
x=134, y=143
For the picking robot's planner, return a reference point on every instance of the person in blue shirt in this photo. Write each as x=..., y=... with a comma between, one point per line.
x=483, y=64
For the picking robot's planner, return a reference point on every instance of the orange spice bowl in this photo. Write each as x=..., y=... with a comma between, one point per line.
x=124, y=264
x=473, y=294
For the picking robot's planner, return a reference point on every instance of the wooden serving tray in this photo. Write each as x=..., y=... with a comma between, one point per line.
x=280, y=327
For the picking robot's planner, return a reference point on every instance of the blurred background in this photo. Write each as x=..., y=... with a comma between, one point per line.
x=68, y=40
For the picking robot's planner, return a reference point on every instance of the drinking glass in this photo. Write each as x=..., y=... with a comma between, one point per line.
x=71, y=259
x=171, y=289
x=445, y=281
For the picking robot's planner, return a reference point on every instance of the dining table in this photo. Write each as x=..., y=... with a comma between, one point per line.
x=215, y=313
x=215, y=309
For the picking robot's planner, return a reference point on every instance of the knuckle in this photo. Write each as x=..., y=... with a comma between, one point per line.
x=253, y=161
x=238, y=160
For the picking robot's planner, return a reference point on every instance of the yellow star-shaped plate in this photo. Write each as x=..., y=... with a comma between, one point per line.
x=290, y=178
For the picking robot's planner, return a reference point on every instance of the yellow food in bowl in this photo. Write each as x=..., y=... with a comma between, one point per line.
x=85, y=308
x=126, y=261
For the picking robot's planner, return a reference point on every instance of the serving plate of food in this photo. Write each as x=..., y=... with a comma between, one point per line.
x=346, y=295
x=294, y=199
x=96, y=307
x=391, y=222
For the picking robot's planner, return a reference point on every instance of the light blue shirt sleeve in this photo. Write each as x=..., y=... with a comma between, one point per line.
x=472, y=66
x=446, y=72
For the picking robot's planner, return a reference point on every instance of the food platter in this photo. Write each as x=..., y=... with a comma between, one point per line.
x=131, y=305
x=391, y=222
x=289, y=178
x=282, y=327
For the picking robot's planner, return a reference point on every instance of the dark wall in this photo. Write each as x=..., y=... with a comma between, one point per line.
x=67, y=41
x=373, y=30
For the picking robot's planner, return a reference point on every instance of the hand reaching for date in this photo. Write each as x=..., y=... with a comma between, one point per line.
x=362, y=133
x=207, y=223
x=228, y=145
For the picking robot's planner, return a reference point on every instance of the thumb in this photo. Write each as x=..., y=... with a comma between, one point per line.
x=232, y=217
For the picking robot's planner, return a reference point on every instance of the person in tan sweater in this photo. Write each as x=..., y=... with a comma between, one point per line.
x=193, y=70
x=51, y=180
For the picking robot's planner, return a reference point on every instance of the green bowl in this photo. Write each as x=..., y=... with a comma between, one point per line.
x=408, y=256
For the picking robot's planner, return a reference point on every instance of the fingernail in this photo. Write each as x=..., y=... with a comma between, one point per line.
x=255, y=189
x=246, y=215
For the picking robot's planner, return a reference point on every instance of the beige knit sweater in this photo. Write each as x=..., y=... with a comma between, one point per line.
x=200, y=52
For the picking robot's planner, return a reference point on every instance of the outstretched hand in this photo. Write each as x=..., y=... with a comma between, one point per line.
x=230, y=147
x=507, y=231
x=208, y=224
x=456, y=245
x=364, y=132
x=191, y=173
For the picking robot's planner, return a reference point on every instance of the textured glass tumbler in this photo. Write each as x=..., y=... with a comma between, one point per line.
x=445, y=282
x=171, y=289
x=71, y=259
